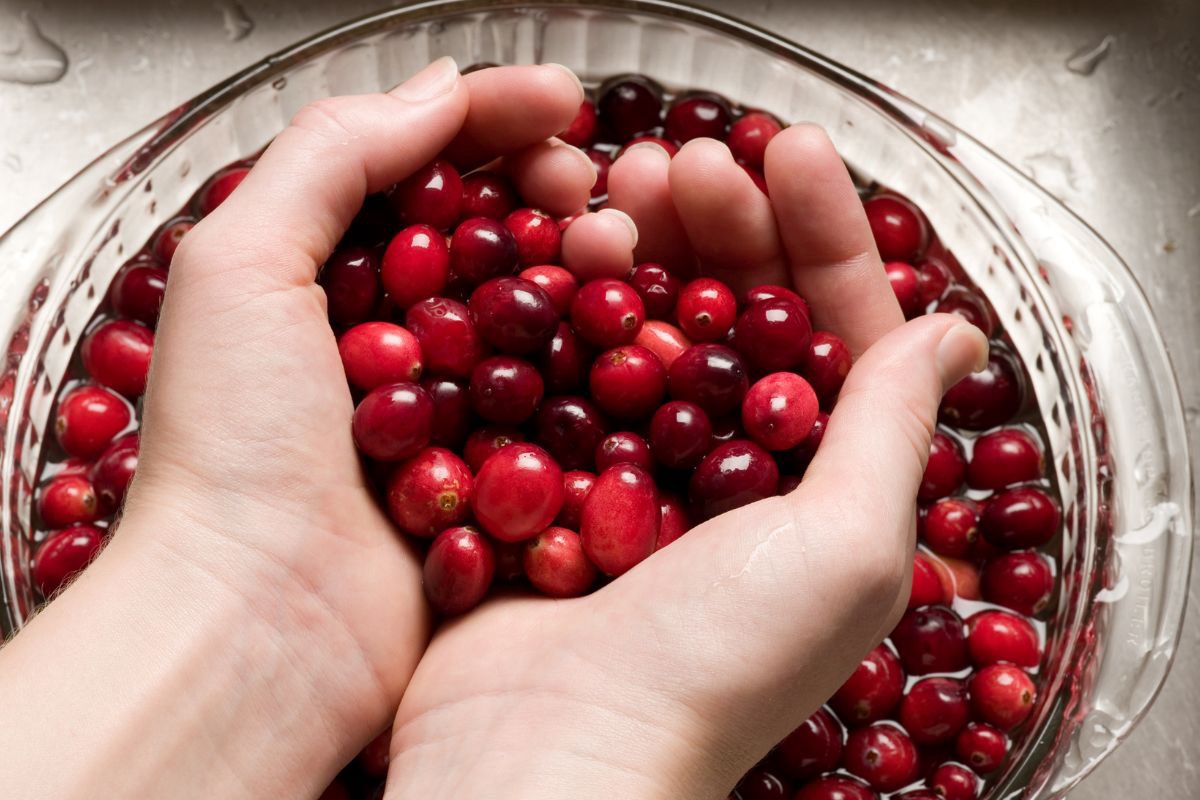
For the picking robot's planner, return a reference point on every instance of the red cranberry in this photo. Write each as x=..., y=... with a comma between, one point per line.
x=137, y=292
x=449, y=341
x=768, y=291
x=513, y=315
x=431, y=196
x=607, y=312
x=950, y=526
x=114, y=470
x=882, y=755
x=749, y=136
x=374, y=758
x=538, y=238
x=621, y=517
x=899, y=228
x=954, y=782
x=393, y=422
x=657, y=287
x=416, y=265
x=758, y=784
x=663, y=339
x=518, y=492
x=564, y=361
x=487, y=194
x=167, y=240
x=905, y=282
x=981, y=746
x=629, y=107
x=827, y=365
x=72, y=466
x=802, y=455
x=733, y=474
x=376, y=353
x=959, y=578
x=1001, y=695
x=680, y=434
x=628, y=382
x=64, y=555
x=926, y=584
x=985, y=399
x=872, y=690
x=970, y=306
x=577, y=485
x=835, y=787
x=510, y=558
x=556, y=564
x=919, y=794
x=994, y=636
x=430, y=492
x=351, y=281
x=933, y=278
x=813, y=748
x=117, y=354
x=1020, y=581
x=559, y=284
x=482, y=248
x=675, y=519
x=710, y=375
x=624, y=447
x=671, y=148
x=486, y=441
x=451, y=411
x=1004, y=457
x=779, y=410
x=706, y=310
x=66, y=500
x=220, y=187
x=944, y=470
x=88, y=418
x=931, y=639
x=774, y=335
x=458, y=570
x=934, y=710
x=696, y=116
x=571, y=429
x=505, y=389
x=1022, y=517
x=582, y=130
x=603, y=162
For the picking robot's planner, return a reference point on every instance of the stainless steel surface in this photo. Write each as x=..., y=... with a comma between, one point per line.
x=1109, y=129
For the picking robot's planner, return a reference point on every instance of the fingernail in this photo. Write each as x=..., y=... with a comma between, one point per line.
x=649, y=146
x=432, y=82
x=963, y=349
x=574, y=77
x=583, y=158
x=625, y=218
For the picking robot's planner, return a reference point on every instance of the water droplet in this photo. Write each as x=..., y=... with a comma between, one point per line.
x=1085, y=60
x=29, y=57
x=238, y=24
x=1194, y=211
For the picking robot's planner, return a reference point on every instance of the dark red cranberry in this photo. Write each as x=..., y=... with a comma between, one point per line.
x=802, y=455
x=220, y=187
x=919, y=794
x=950, y=526
x=137, y=292
x=518, y=492
x=827, y=365
x=664, y=340
x=64, y=555
x=970, y=306
x=696, y=116
x=657, y=287
x=374, y=758
x=513, y=315
x=117, y=354
x=430, y=492
x=749, y=136
x=813, y=748
x=624, y=447
x=835, y=787
x=675, y=520
x=564, y=361
x=482, y=248
x=779, y=410
x=582, y=130
x=89, y=417
x=671, y=148
x=680, y=434
x=510, y=558
x=768, y=291
x=67, y=500
x=167, y=240
x=1020, y=581
x=393, y=422
x=458, y=570
x=898, y=226
x=603, y=162
x=934, y=710
x=114, y=470
x=416, y=265
x=1018, y=518
x=486, y=441
x=621, y=517
x=981, y=746
x=931, y=639
x=944, y=470
x=576, y=487
x=376, y=353
x=933, y=278
x=607, y=313
x=882, y=755
x=710, y=375
x=1001, y=695
x=706, y=310
x=1004, y=457
x=505, y=389
x=926, y=584
x=571, y=429
x=758, y=784
x=538, y=238
x=872, y=690
x=559, y=284
x=556, y=564
x=954, y=782
x=451, y=411
x=984, y=399
x=449, y=341
x=431, y=196
x=905, y=282
x=628, y=382
x=774, y=335
x=351, y=281
x=487, y=194
x=629, y=107
x=733, y=474
x=994, y=636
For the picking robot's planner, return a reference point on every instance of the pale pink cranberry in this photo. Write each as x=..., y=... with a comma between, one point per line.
x=220, y=187
x=167, y=240
x=629, y=107
x=64, y=555
x=931, y=639
x=487, y=194
x=1004, y=457
x=779, y=410
x=117, y=354
x=944, y=470
x=950, y=526
x=558, y=283
x=982, y=746
x=970, y=306
x=538, y=238
x=518, y=492
x=759, y=784
x=458, y=570
x=749, y=136
x=710, y=375
x=994, y=636
x=430, y=492
x=624, y=447
x=675, y=520
x=603, y=162
x=813, y=748
x=582, y=130
x=564, y=361
x=393, y=421
x=934, y=710
x=416, y=265
x=835, y=787
x=577, y=485
x=1019, y=518
x=663, y=339
x=351, y=281
x=67, y=500
x=113, y=472
x=88, y=418
x=680, y=434
x=482, y=248
x=449, y=341
x=506, y=390
x=607, y=313
x=513, y=315
x=827, y=365
x=137, y=292
x=657, y=287
x=702, y=115
x=377, y=353
x=451, y=411
x=985, y=399
x=905, y=285
x=954, y=782
x=1021, y=581
x=1001, y=695
x=628, y=382
x=430, y=196
x=733, y=474
x=621, y=518
x=933, y=278
x=571, y=428
x=900, y=231
x=872, y=690
x=556, y=564
x=706, y=310
x=882, y=755
x=774, y=335
x=374, y=758
x=484, y=442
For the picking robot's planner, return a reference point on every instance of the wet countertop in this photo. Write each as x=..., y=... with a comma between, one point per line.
x=1099, y=101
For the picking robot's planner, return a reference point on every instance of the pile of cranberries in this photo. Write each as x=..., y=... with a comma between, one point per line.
x=525, y=427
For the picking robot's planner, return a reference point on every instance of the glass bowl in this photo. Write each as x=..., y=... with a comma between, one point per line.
x=1100, y=373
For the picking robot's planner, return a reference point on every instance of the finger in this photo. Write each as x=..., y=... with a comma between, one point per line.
x=639, y=185
x=832, y=254
x=728, y=220
x=552, y=176
x=600, y=245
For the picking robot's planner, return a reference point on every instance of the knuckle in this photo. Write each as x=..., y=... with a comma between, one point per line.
x=325, y=118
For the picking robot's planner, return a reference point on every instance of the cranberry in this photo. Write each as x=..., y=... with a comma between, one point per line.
x=487, y=194
x=556, y=564
x=1002, y=695
x=905, y=285
x=710, y=375
x=768, y=291
x=706, y=310
x=813, y=748
x=663, y=339
x=88, y=418
x=603, y=162
x=582, y=130
x=628, y=382
x=1020, y=581
x=934, y=710
x=657, y=287
x=621, y=518
x=697, y=116
x=510, y=561
x=882, y=755
x=827, y=365
x=376, y=353
x=577, y=485
x=558, y=284
x=950, y=526
x=394, y=421
x=984, y=399
x=518, y=492
x=959, y=578
x=933, y=278
x=117, y=354
x=73, y=466
x=802, y=455
x=607, y=312
x=675, y=520
x=451, y=411
x=671, y=148
x=66, y=500
x=431, y=196
x=458, y=570
x=1004, y=457
x=680, y=434
x=538, y=238
x=1019, y=518
x=970, y=306
x=872, y=690
x=779, y=410
x=137, y=292
x=449, y=341
x=220, y=187
x=919, y=794
x=899, y=228
x=505, y=389
x=733, y=474
x=513, y=315
x=430, y=492
x=484, y=442
x=835, y=787
x=629, y=107
x=166, y=242
x=624, y=447
x=774, y=335
x=374, y=758
x=571, y=429
x=482, y=248
x=758, y=784
x=982, y=746
x=926, y=584
x=749, y=136
x=931, y=639
x=64, y=555
x=994, y=636
x=416, y=265
x=114, y=470
x=954, y=782
x=351, y=281
x=944, y=470
x=564, y=361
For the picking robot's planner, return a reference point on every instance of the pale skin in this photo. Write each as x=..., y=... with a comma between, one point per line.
x=256, y=619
